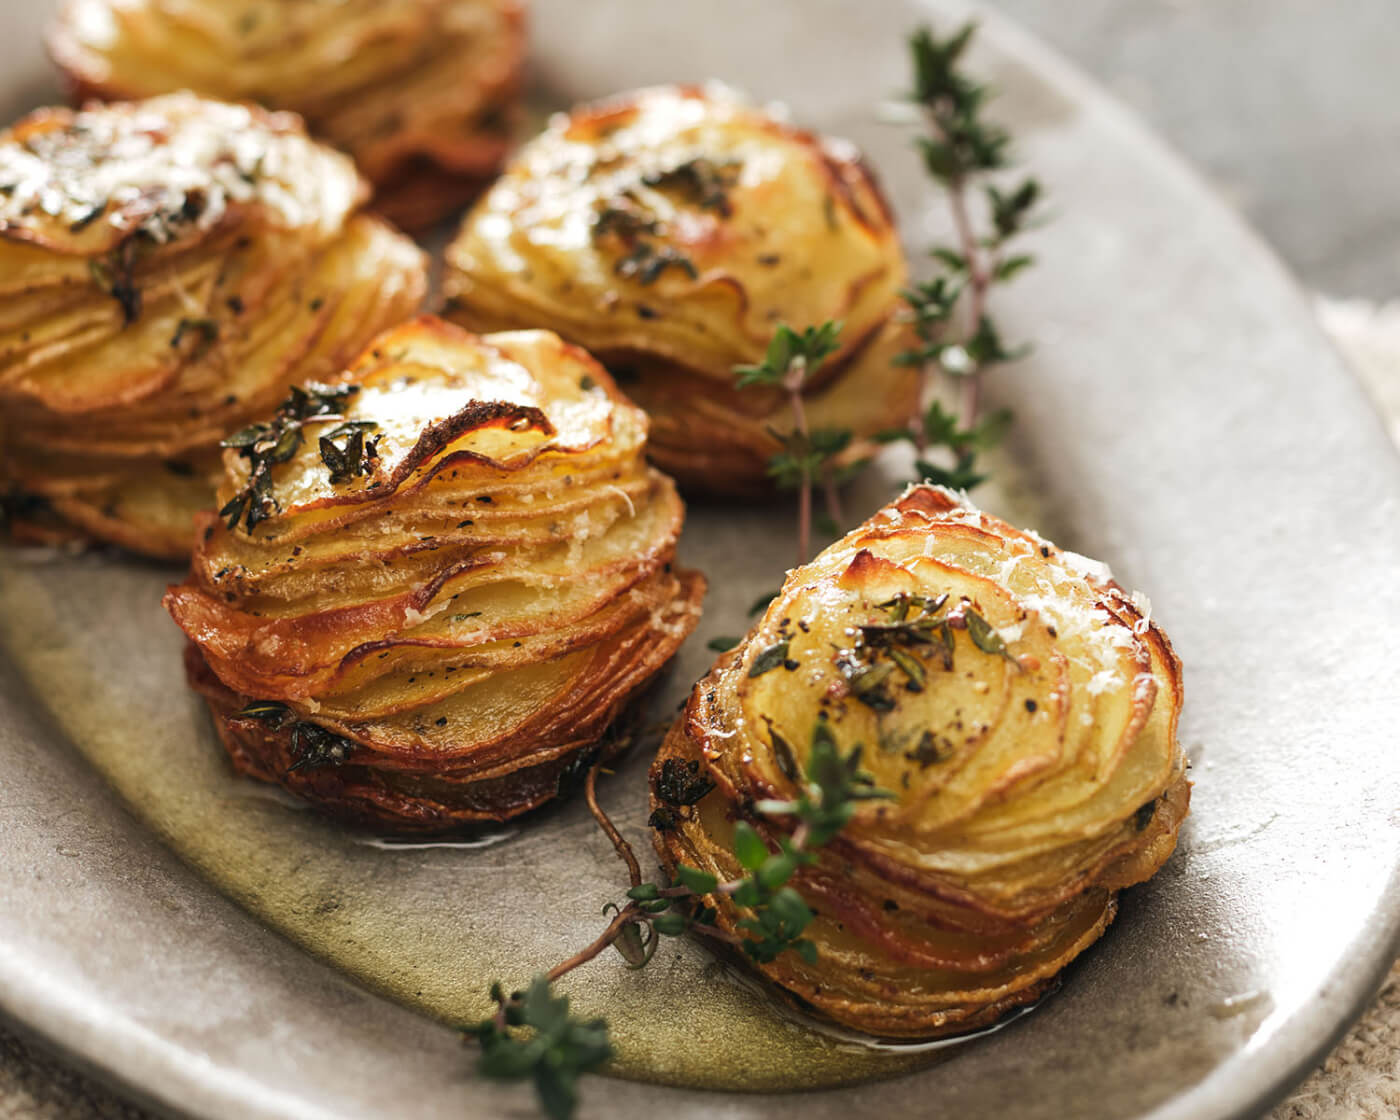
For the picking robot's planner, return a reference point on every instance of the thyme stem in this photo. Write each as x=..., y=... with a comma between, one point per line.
x=980, y=268
x=793, y=381
x=950, y=313
x=619, y=842
x=624, y=918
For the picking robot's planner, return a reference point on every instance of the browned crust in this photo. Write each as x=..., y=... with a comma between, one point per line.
x=423, y=184
x=906, y=951
x=431, y=793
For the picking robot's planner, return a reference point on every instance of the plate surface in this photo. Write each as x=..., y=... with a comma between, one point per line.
x=1181, y=418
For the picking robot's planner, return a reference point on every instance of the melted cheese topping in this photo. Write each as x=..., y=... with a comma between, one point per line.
x=165, y=167
x=681, y=222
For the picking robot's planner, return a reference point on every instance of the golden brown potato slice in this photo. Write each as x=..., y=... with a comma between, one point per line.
x=434, y=585
x=669, y=231
x=168, y=269
x=1021, y=711
x=422, y=93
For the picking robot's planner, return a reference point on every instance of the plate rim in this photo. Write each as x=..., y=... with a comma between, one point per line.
x=1246, y=1084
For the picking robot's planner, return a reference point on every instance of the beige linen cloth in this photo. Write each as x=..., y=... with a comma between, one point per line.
x=1360, y=1080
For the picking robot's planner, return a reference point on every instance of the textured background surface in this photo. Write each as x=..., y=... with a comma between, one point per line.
x=1285, y=105
x=1288, y=106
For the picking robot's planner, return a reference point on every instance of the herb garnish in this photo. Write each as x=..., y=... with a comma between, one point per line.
x=958, y=339
x=626, y=223
x=357, y=457
x=983, y=636
x=895, y=653
x=266, y=445
x=703, y=182
x=807, y=455
x=206, y=328
x=681, y=783
x=636, y=228
x=646, y=262
x=312, y=746
x=115, y=274
x=557, y=1046
x=770, y=658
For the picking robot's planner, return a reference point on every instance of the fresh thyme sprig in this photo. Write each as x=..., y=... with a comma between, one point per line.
x=533, y=1035
x=809, y=456
x=266, y=445
x=917, y=630
x=958, y=339
x=559, y=1047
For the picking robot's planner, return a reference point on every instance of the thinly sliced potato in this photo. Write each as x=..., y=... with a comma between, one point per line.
x=168, y=269
x=669, y=231
x=1017, y=704
x=422, y=93
x=445, y=633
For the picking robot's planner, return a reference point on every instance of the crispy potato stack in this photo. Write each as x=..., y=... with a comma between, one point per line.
x=167, y=269
x=1021, y=709
x=669, y=231
x=421, y=92
x=433, y=588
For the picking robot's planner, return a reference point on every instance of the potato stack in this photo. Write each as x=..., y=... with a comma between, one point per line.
x=1017, y=704
x=433, y=587
x=670, y=231
x=167, y=269
x=422, y=93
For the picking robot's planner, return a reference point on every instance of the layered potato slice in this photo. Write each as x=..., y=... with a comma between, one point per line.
x=422, y=93
x=167, y=269
x=433, y=586
x=1020, y=707
x=669, y=231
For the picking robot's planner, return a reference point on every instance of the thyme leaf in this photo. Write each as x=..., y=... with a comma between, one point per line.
x=266, y=445
x=681, y=783
x=985, y=637
x=115, y=274
x=553, y=1050
x=770, y=658
x=206, y=328
x=356, y=457
x=637, y=228
x=268, y=711
x=956, y=334
x=314, y=747
x=789, y=351
x=806, y=456
x=703, y=182
x=646, y=262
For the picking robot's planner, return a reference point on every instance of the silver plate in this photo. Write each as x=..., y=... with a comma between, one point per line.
x=1182, y=418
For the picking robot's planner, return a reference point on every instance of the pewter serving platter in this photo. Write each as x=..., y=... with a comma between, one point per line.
x=219, y=952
